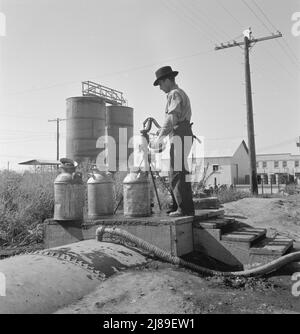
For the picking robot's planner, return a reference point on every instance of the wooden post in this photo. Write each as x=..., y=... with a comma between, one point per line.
x=248, y=42
x=250, y=122
x=271, y=182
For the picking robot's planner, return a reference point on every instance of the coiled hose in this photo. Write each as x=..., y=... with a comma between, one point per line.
x=163, y=255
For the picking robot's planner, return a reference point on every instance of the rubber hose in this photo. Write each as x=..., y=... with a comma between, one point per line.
x=163, y=255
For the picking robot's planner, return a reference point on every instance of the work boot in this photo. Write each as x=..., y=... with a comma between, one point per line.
x=172, y=208
x=177, y=213
x=190, y=213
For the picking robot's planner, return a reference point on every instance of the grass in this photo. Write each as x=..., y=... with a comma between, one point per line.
x=224, y=194
x=26, y=200
x=231, y=195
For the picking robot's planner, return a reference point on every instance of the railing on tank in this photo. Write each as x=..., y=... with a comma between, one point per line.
x=109, y=95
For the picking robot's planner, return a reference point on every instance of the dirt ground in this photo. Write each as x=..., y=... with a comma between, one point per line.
x=277, y=215
x=161, y=288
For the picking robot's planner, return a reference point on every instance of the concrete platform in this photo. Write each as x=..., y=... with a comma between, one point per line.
x=278, y=245
x=215, y=223
x=174, y=235
x=201, y=215
x=245, y=235
x=208, y=233
x=207, y=203
x=234, y=243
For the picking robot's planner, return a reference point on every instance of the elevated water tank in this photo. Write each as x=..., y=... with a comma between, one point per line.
x=119, y=122
x=85, y=124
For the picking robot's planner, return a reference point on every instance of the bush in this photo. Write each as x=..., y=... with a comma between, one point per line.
x=25, y=202
x=231, y=195
x=292, y=189
x=223, y=193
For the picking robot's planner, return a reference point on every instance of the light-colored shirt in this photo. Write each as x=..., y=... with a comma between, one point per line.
x=178, y=109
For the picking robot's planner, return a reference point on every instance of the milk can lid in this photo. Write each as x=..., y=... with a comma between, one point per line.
x=136, y=177
x=100, y=177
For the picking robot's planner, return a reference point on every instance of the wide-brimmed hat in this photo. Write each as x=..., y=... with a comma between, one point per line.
x=164, y=72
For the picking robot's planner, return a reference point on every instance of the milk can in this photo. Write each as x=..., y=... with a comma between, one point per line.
x=101, y=194
x=68, y=192
x=136, y=188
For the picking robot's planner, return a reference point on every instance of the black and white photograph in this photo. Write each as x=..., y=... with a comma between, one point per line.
x=149, y=160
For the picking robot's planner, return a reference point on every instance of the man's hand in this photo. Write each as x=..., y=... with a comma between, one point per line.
x=158, y=132
x=157, y=146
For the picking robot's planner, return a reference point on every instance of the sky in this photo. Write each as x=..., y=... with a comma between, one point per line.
x=50, y=46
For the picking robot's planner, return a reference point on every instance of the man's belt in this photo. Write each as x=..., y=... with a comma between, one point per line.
x=182, y=123
x=187, y=122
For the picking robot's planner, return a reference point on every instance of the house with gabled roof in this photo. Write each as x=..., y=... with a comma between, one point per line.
x=222, y=163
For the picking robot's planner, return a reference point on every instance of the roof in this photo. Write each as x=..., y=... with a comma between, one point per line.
x=214, y=148
x=277, y=157
x=40, y=162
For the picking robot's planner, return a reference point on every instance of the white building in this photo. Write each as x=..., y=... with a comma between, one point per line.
x=278, y=167
x=225, y=162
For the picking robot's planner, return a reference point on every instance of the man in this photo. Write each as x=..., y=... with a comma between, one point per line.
x=177, y=126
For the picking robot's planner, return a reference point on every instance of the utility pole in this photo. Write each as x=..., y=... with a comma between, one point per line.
x=57, y=120
x=247, y=43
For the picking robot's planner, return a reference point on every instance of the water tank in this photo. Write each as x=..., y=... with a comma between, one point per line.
x=85, y=124
x=119, y=122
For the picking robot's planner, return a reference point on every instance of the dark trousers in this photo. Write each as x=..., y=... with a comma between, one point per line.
x=181, y=190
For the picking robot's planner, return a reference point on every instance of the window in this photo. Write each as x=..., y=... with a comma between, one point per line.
x=257, y=164
x=215, y=168
x=297, y=163
x=284, y=164
x=276, y=164
x=264, y=164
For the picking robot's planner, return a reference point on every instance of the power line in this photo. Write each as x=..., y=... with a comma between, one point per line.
x=23, y=117
x=253, y=12
x=288, y=141
x=25, y=132
x=280, y=64
x=180, y=12
x=22, y=140
x=270, y=22
x=230, y=14
x=272, y=56
x=224, y=138
x=292, y=52
x=15, y=156
x=103, y=75
x=263, y=23
x=200, y=17
x=263, y=13
x=242, y=27
x=291, y=75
